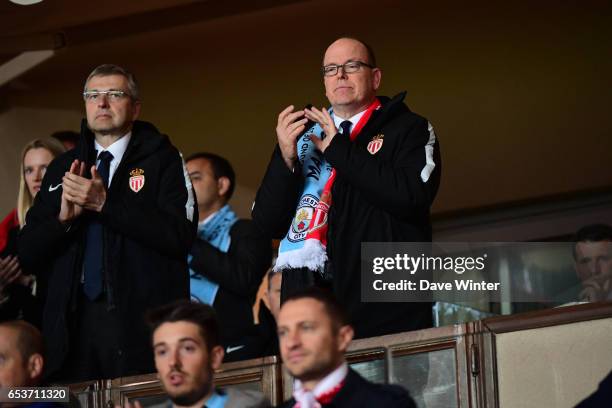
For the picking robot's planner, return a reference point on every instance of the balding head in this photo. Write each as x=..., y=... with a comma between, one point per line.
x=369, y=52
x=351, y=93
x=21, y=351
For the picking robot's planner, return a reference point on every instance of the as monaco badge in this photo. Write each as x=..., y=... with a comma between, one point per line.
x=137, y=180
x=375, y=144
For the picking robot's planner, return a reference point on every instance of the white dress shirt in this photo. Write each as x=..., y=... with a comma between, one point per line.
x=117, y=149
x=353, y=119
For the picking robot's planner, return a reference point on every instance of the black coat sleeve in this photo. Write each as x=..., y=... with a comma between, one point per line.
x=277, y=197
x=170, y=225
x=44, y=236
x=403, y=186
x=239, y=270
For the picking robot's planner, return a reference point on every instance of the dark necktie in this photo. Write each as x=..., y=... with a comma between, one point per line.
x=94, y=246
x=345, y=128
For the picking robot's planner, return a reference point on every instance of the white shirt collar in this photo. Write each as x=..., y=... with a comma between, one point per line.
x=117, y=149
x=353, y=119
x=330, y=381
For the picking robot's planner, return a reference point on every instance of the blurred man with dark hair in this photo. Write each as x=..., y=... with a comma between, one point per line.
x=593, y=261
x=187, y=351
x=230, y=256
x=314, y=334
x=111, y=228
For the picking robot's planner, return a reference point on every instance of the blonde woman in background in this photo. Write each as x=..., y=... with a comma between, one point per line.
x=16, y=299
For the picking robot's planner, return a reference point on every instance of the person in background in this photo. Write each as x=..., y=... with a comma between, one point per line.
x=230, y=256
x=261, y=339
x=21, y=294
x=273, y=292
x=21, y=359
x=593, y=262
x=68, y=138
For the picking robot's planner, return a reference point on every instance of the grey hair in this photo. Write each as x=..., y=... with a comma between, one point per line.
x=111, y=69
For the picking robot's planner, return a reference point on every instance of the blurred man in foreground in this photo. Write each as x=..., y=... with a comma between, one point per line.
x=314, y=335
x=187, y=351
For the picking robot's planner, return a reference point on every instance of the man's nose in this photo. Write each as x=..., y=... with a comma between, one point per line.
x=596, y=268
x=103, y=100
x=342, y=73
x=174, y=359
x=294, y=339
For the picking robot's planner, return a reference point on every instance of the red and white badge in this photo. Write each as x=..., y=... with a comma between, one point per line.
x=137, y=180
x=375, y=144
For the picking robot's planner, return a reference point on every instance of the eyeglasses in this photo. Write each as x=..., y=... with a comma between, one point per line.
x=92, y=96
x=347, y=68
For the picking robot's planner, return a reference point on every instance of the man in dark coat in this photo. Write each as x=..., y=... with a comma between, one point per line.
x=110, y=230
x=366, y=171
x=313, y=335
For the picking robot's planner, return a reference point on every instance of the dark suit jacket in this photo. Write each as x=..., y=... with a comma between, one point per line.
x=238, y=272
x=358, y=392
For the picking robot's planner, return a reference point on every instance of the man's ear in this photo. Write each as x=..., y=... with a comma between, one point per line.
x=345, y=336
x=376, y=78
x=216, y=357
x=223, y=185
x=136, y=112
x=35, y=368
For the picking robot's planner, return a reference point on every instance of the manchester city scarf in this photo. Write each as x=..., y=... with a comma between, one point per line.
x=217, y=233
x=306, y=241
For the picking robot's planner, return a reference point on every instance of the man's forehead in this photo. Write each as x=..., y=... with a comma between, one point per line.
x=586, y=248
x=296, y=311
x=170, y=332
x=107, y=80
x=199, y=165
x=343, y=50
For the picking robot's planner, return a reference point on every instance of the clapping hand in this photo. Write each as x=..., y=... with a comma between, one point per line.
x=324, y=119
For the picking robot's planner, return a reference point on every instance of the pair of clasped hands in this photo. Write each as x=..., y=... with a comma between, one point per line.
x=79, y=192
x=292, y=123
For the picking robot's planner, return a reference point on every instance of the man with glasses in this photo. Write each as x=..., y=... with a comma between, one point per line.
x=110, y=229
x=367, y=170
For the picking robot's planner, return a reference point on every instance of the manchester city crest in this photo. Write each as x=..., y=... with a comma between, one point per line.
x=303, y=216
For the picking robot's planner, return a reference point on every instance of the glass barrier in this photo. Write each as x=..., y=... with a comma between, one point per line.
x=431, y=377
